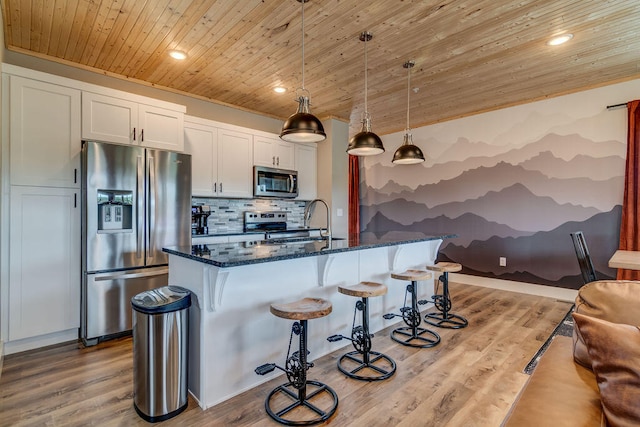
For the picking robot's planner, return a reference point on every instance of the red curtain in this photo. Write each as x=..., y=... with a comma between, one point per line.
x=630, y=223
x=354, y=196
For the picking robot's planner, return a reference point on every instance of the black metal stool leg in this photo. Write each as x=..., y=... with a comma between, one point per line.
x=413, y=335
x=444, y=319
x=380, y=367
x=296, y=389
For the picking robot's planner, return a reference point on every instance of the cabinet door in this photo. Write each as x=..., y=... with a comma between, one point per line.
x=44, y=134
x=306, y=165
x=273, y=152
x=284, y=152
x=44, y=264
x=161, y=128
x=109, y=119
x=234, y=164
x=263, y=152
x=202, y=143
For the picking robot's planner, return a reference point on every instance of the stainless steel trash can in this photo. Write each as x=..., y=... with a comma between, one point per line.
x=160, y=344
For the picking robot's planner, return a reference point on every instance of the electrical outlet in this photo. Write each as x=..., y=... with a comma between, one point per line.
x=503, y=261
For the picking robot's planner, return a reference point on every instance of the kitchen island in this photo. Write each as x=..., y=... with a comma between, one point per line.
x=231, y=329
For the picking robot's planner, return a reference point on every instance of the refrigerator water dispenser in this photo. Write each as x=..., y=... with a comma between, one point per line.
x=115, y=209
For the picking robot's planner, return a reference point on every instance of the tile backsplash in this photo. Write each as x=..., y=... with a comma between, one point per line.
x=227, y=214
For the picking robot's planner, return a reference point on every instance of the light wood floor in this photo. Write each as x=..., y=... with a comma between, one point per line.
x=470, y=379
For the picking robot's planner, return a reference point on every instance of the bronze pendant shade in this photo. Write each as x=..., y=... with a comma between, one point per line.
x=303, y=126
x=365, y=142
x=408, y=153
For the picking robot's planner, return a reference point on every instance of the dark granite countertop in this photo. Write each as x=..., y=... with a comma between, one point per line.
x=243, y=253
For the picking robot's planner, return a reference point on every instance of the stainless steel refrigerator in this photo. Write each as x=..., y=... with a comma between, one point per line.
x=135, y=201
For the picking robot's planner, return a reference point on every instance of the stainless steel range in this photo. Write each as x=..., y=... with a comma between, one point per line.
x=273, y=223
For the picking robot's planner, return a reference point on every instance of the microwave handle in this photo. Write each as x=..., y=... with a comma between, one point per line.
x=291, y=184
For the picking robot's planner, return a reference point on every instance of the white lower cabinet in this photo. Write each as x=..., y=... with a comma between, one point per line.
x=44, y=261
x=209, y=240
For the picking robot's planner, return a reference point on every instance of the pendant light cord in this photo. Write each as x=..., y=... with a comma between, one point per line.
x=408, y=91
x=302, y=2
x=365, y=74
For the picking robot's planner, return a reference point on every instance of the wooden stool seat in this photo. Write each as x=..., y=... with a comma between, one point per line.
x=445, y=267
x=304, y=309
x=364, y=290
x=412, y=275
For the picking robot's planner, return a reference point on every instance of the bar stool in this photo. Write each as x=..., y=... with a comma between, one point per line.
x=366, y=368
x=296, y=367
x=412, y=335
x=444, y=319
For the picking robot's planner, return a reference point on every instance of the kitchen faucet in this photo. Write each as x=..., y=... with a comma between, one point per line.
x=307, y=217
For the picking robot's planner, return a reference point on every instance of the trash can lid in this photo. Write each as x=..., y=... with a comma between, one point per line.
x=162, y=300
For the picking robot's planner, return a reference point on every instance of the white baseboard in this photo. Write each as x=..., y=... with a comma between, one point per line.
x=561, y=294
x=41, y=341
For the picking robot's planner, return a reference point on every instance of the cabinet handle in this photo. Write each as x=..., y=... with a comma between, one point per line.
x=75, y=200
x=220, y=188
x=75, y=175
x=142, y=135
x=215, y=187
x=273, y=160
x=134, y=134
x=278, y=161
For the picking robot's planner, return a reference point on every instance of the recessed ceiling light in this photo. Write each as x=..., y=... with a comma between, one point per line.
x=279, y=89
x=177, y=54
x=560, y=39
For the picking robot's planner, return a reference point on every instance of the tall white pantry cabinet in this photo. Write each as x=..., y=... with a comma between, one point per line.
x=44, y=209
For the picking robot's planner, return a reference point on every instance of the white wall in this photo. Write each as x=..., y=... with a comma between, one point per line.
x=333, y=171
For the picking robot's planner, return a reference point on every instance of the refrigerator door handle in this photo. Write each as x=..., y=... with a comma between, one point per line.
x=151, y=208
x=140, y=197
x=126, y=275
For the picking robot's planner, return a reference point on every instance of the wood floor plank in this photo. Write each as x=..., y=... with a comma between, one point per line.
x=470, y=379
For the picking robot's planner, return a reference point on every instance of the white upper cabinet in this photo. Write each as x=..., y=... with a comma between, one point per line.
x=105, y=118
x=44, y=133
x=161, y=128
x=128, y=121
x=306, y=164
x=201, y=141
x=235, y=172
x=273, y=152
x=220, y=159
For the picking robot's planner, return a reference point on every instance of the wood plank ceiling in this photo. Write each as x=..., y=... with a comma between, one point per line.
x=471, y=55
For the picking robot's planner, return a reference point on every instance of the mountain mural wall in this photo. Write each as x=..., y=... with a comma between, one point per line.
x=511, y=183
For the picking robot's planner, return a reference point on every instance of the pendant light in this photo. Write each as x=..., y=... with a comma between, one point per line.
x=407, y=153
x=303, y=126
x=365, y=143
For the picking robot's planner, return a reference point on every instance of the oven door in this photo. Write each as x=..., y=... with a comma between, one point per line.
x=270, y=182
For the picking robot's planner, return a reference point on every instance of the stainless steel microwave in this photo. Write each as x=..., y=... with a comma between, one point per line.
x=271, y=182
